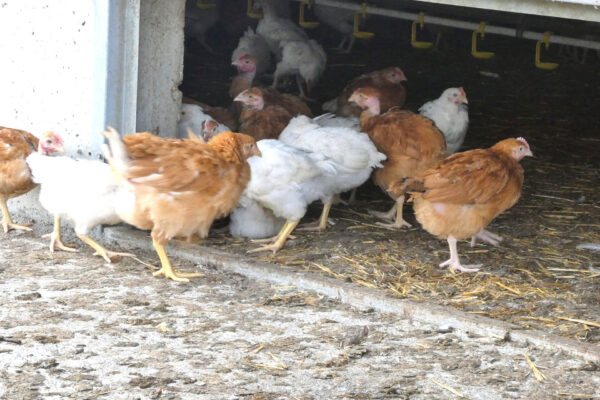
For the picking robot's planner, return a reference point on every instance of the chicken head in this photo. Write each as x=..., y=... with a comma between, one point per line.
x=252, y=97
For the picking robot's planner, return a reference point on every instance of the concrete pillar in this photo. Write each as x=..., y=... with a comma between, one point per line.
x=160, y=66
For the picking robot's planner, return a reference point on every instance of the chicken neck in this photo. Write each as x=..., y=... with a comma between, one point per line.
x=7, y=222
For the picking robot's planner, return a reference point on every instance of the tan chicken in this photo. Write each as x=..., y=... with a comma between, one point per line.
x=177, y=187
x=466, y=191
x=15, y=175
x=387, y=81
x=411, y=142
x=263, y=118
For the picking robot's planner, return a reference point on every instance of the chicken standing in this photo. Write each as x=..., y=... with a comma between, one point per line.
x=466, y=191
x=450, y=114
x=255, y=46
x=339, y=19
x=198, y=21
x=275, y=28
x=352, y=151
x=15, y=175
x=410, y=141
x=285, y=180
x=246, y=66
x=251, y=220
x=177, y=187
x=387, y=81
x=305, y=59
x=266, y=112
x=81, y=190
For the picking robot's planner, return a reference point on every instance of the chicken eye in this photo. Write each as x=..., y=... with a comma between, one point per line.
x=48, y=141
x=520, y=148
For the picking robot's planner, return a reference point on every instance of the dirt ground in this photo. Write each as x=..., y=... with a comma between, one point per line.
x=72, y=326
x=536, y=277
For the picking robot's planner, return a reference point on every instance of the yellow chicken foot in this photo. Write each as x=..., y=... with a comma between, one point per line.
x=56, y=240
x=454, y=261
x=272, y=239
x=167, y=268
x=102, y=251
x=399, y=222
x=7, y=222
x=283, y=235
x=321, y=224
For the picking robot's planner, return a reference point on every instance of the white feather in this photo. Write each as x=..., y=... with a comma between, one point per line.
x=303, y=57
x=250, y=220
x=191, y=117
x=79, y=190
x=276, y=29
x=450, y=118
x=256, y=46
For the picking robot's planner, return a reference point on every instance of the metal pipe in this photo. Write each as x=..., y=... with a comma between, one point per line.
x=454, y=23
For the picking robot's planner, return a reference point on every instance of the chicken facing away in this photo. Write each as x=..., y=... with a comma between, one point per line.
x=411, y=142
x=192, y=117
x=276, y=29
x=177, y=187
x=387, y=81
x=466, y=191
x=285, y=180
x=255, y=46
x=450, y=114
x=352, y=151
x=305, y=59
x=15, y=175
x=81, y=190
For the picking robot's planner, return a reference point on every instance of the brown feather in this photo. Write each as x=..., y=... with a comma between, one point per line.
x=15, y=175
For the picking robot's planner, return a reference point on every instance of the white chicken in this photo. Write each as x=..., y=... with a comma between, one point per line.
x=332, y=120
x=352, y=150
x=286, y=179
x=80, y=190
x=276, y=29
x=339, y=19
x=254, y=45
x=198, y=21
x=450, y=114
x=305, y=59
x=251, y=220
x=192, y=117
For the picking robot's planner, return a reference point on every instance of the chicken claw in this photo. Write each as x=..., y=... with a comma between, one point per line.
x=388, y=215
x=102, y=251
x=7, y=223
x=323, y=223
x=454, y=261
x=56, y=239
x=487, y=237
x=167, y=268
x=399, y=222
x=283, y=235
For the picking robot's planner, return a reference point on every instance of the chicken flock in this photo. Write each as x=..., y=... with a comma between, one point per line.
x=283, y=158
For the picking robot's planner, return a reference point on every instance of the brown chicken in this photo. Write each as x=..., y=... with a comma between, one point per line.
x=387, y=81
x=466, y=191
x=411, y=142
x=177, y=187
x=15, y=175
x=260, y=120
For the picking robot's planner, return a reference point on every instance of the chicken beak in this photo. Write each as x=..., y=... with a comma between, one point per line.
x=239, y=97
x=353, y=98
x=59, y=149
x=257, y=152
x=464, y=100
x=529, y=153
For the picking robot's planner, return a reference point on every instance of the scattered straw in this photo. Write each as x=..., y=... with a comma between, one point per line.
x=448, y=388
x=582, y=321
x=536, y=372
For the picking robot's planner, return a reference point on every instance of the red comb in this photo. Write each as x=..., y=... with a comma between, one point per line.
x=520, y=139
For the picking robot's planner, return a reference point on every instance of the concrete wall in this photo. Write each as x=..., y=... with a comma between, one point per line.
x=160, y=66
x=47, y=76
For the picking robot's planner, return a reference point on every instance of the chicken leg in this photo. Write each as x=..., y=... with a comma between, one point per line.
x=56, y=240
x=454, y=261
x=7, y=222
x=399, y=222
x=322, y=223
x=283, y=235
x=167, y=268
x=100, y=250
x=487, y=237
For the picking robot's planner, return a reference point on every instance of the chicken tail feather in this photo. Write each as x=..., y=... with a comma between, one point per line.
x=115, y=153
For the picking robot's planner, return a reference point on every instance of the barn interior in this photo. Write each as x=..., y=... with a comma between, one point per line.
x=544, y=275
